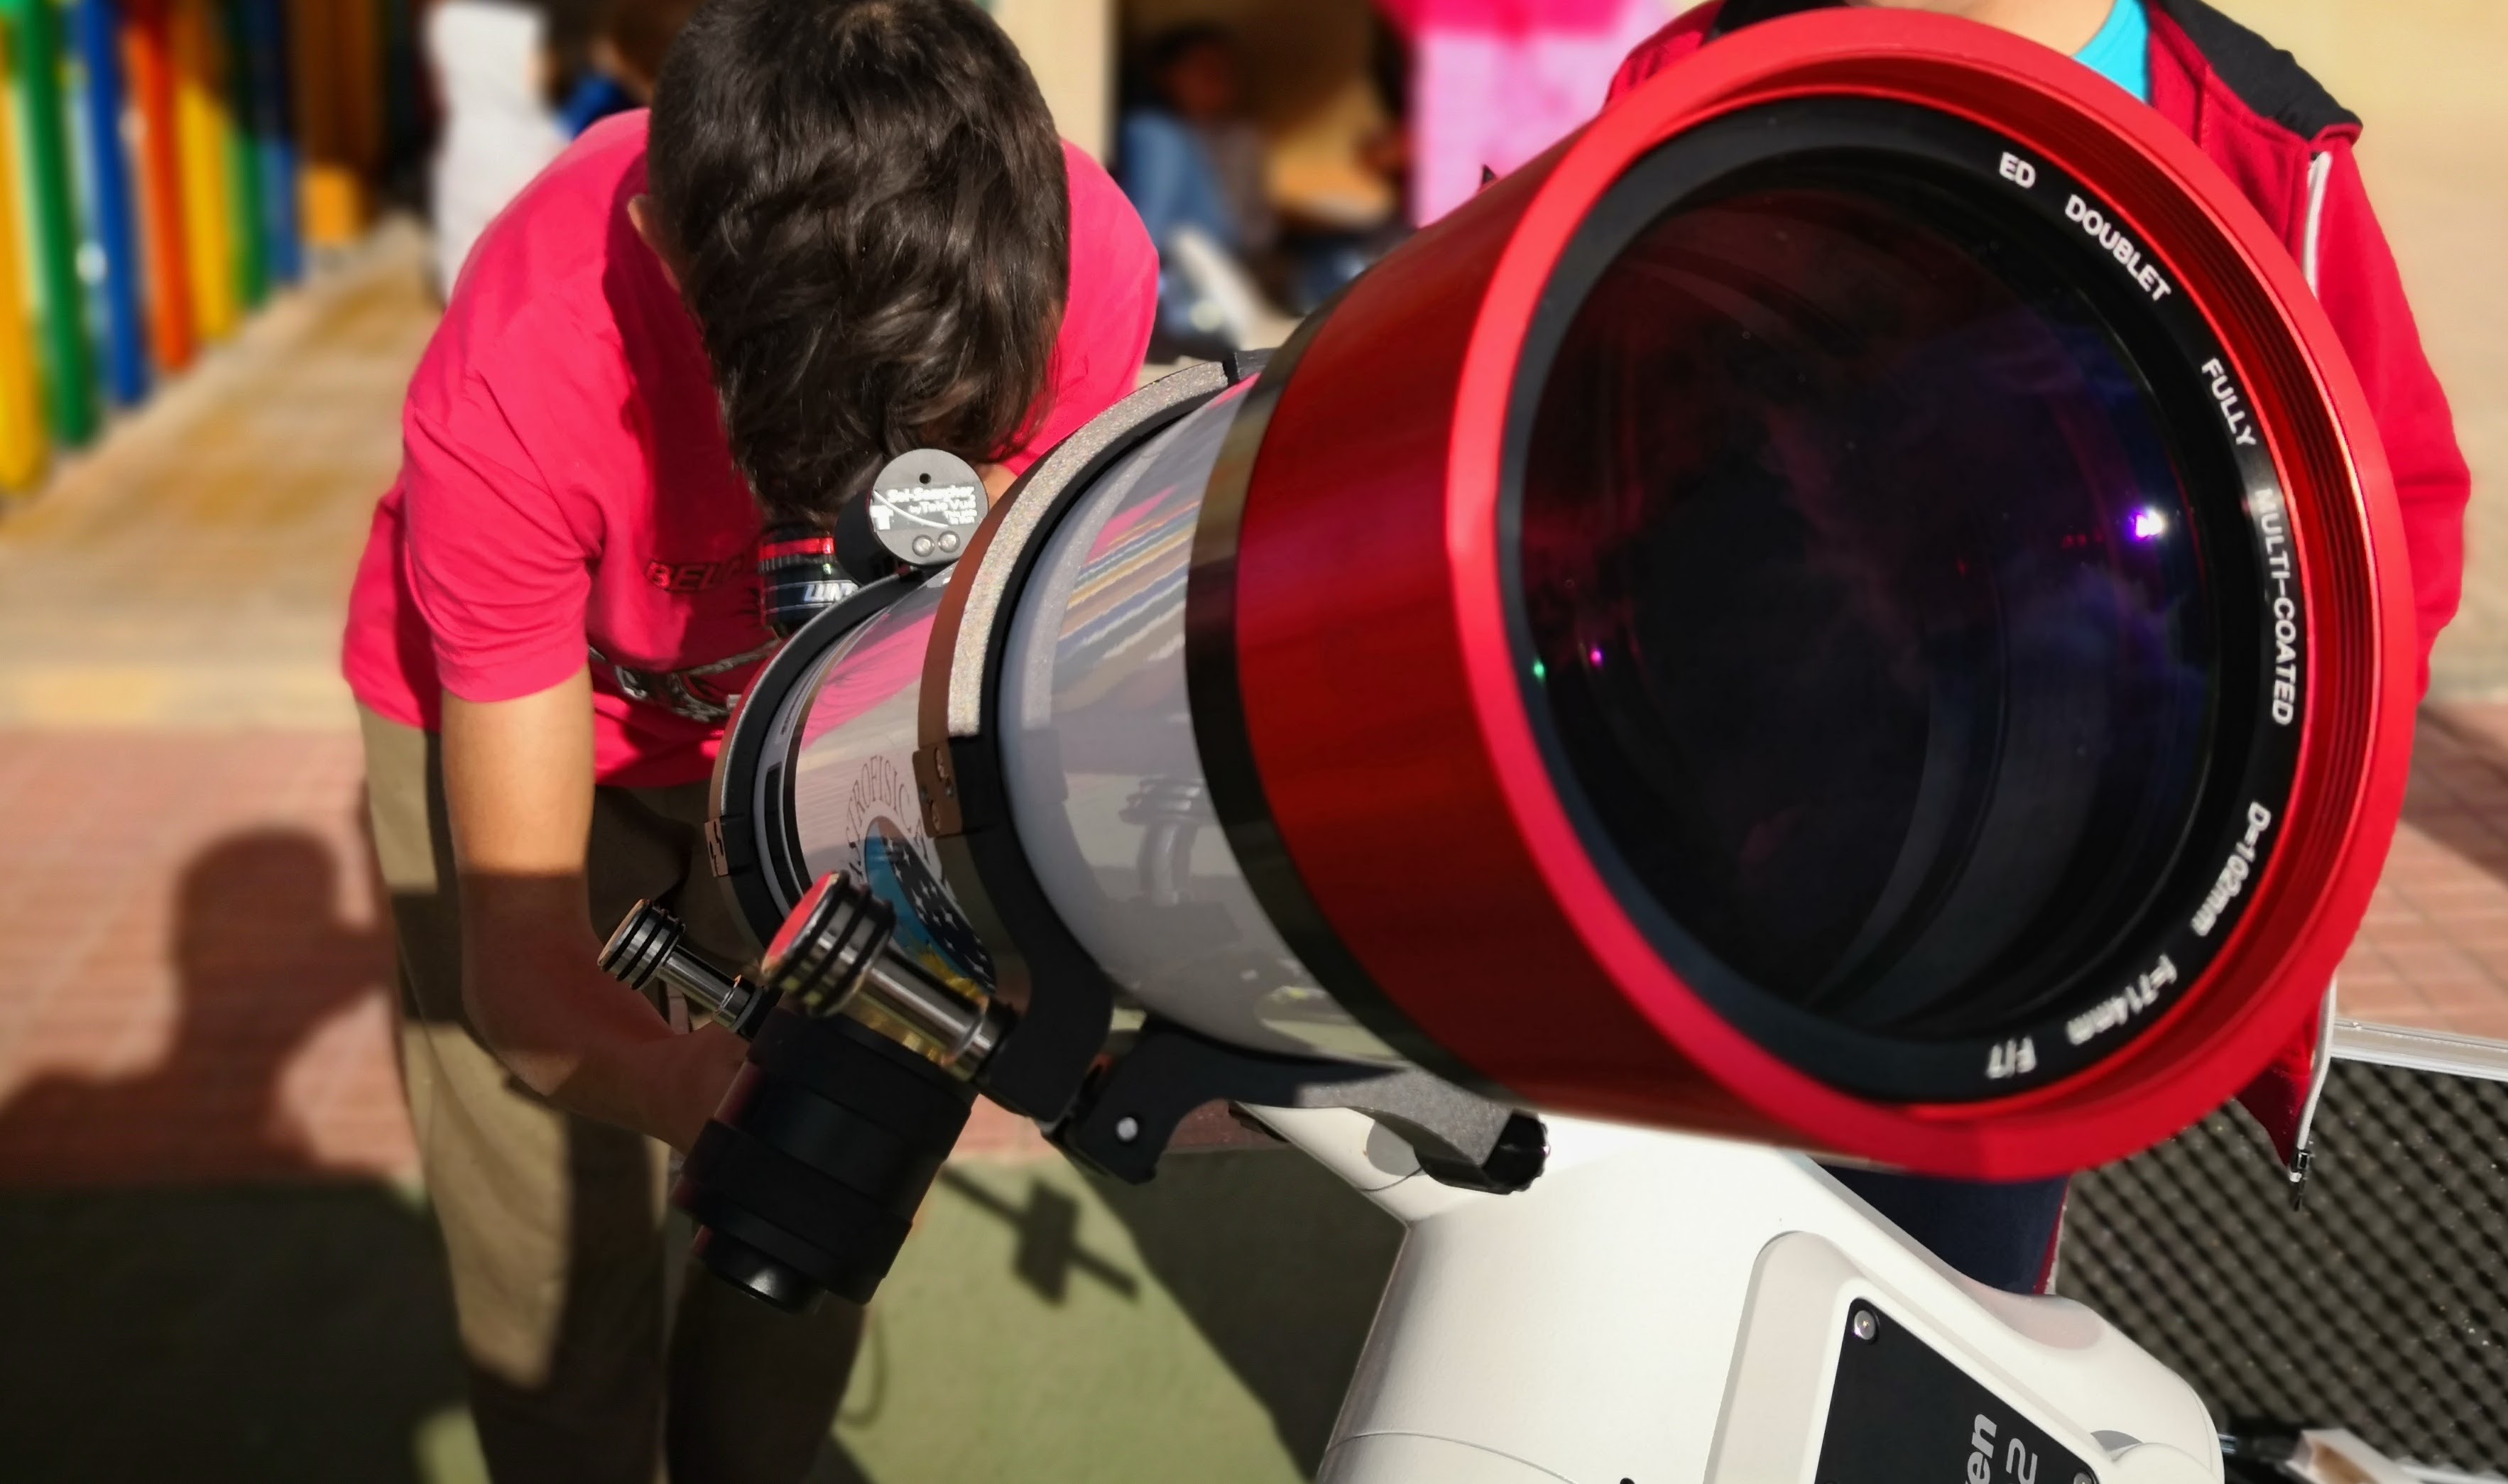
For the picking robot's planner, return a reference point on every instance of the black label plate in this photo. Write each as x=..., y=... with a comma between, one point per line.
x=1902, y=1414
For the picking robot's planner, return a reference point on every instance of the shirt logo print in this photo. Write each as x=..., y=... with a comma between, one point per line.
x=691, y=576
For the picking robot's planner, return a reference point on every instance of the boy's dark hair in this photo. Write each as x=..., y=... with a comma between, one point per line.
x=867, y=207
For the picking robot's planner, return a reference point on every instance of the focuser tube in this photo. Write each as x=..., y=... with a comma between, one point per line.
x=840, y=943
x=807, y=1178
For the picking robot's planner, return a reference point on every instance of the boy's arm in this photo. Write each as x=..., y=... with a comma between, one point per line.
x=517, y=784
x=2357, y=283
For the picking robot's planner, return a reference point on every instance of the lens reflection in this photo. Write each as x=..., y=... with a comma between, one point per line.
x=1865, y=600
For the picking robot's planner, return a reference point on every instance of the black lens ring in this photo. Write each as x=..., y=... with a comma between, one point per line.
x=2170, y=945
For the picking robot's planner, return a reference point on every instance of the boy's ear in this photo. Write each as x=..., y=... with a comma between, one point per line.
x=647, y=219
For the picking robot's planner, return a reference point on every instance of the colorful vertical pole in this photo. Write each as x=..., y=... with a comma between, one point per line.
x=199, y=125
x=331, y=192
x=273, y=137
x=54, y=224
x=116, y=234
x=148, y=68
x=244, y=160
x=23, y=445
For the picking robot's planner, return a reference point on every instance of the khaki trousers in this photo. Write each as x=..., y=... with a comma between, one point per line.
x=596, y=1352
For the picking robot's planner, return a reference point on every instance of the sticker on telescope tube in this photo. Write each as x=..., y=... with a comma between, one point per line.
x=891, y=861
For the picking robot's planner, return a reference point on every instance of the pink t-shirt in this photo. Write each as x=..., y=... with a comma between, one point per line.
x=565, y=481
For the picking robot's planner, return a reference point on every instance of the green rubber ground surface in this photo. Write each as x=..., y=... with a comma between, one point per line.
x=1041, y=1326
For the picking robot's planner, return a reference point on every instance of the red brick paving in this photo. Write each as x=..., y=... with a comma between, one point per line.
x=196, y=987
x=195, y=984
x=2434, y=949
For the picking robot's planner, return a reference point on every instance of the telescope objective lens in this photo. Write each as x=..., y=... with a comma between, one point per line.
x=1871, y=604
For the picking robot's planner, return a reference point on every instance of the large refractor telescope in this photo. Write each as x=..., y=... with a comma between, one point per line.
x=1854, y=604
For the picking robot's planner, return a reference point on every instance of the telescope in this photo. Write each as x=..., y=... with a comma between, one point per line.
x=1852, y=608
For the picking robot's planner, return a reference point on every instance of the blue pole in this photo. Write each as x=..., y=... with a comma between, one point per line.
x=99, y=46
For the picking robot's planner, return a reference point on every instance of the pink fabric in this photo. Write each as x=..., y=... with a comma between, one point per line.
x=1496, y=82
x=566, y=482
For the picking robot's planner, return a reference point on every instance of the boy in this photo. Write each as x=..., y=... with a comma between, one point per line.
x=2287, y=145
x=846, y=230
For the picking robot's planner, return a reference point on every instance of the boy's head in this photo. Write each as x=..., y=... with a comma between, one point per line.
x=865, y=204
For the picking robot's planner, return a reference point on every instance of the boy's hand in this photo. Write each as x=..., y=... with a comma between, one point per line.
x=518, y=786
x=694, y=1073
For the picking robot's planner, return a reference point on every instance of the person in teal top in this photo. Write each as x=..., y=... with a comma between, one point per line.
x=2122, y=51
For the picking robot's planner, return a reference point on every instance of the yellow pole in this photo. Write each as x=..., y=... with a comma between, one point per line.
x=201, y=126
x=24, y=446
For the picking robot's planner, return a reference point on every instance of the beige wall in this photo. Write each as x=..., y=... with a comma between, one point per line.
x=1070, y=46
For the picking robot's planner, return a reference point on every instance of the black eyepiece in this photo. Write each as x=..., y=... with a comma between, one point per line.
x=809, y=1176
x=797, y=577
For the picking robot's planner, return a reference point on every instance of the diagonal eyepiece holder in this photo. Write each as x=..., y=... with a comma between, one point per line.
x=807, y=1178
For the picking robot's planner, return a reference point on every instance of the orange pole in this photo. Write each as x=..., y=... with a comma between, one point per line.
x=147, y=56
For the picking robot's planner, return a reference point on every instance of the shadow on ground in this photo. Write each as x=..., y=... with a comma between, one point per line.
x=1279, y=1264
x=187, y=1294
x=291, y=1326
x=274, y=1334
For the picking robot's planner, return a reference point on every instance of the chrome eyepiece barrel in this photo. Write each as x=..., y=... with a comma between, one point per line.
x=647, y=947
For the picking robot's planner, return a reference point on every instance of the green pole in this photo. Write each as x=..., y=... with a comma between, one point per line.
x=36, y=50
x=243, y=162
